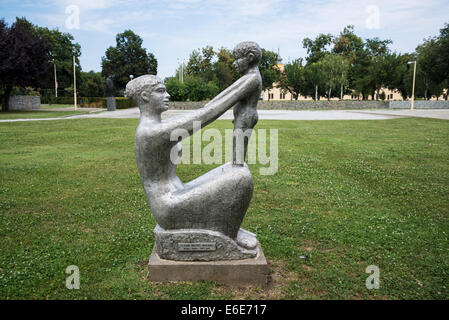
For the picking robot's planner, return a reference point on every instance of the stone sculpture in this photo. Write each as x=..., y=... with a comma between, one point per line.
x=110, y=94
x=199, y=220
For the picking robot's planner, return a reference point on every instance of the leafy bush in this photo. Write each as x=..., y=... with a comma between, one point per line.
x=193, y=89
x=91, y=102
x=50, y=99
x=27, y=91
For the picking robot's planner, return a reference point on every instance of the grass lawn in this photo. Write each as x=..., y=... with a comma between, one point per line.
x=348, y=194
x=37, y=114
x=56, y=106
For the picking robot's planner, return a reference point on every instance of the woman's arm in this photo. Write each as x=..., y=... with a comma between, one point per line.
x=217, y=106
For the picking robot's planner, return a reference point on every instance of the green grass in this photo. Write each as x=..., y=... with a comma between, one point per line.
x=55, y=106
x=58, y=106
x=37, y=114
x=348, y=194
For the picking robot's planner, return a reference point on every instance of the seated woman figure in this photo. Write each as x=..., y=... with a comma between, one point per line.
x=216, y=201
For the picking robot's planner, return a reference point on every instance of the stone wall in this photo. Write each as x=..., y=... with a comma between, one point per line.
x=294, y=105
x=24, y=102
x=321, y=104
x=420, y=104
x=325, y=105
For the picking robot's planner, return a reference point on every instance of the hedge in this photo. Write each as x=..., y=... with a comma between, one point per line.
x=91, y=102
x=58, y=100
x=121, y=103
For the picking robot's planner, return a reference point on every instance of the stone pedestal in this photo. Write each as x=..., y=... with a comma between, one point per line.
x=111, y=104
x=24, y=103
x=239, y=273
x=203, y=245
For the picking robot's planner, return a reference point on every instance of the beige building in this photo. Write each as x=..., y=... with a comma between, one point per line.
x=278, y=94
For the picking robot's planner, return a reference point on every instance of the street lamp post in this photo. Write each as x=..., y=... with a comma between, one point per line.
x=74, y=81
x=413, y=87
x=56, y=81
x=181, y=71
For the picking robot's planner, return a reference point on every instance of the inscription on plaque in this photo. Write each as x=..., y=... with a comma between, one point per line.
x=197, y=246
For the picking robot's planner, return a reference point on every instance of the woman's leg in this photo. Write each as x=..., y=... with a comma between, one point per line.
x=215, y=201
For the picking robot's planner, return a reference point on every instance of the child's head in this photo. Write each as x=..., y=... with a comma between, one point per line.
x=247, y=54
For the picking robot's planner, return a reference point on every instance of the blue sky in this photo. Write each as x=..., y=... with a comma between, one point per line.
x=171, y=29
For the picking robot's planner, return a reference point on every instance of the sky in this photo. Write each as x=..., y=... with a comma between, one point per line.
x=172, y=29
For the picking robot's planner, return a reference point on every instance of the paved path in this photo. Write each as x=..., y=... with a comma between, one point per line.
x=420, y=113
x=378, y=114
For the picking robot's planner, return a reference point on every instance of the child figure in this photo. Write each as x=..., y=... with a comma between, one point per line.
x=247, y=57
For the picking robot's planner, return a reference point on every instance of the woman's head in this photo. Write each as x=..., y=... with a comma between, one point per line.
x=148, y=89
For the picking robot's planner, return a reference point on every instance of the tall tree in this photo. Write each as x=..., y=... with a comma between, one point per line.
x=200, y=63
x=268, y=69
x=92, y=84
x=314, y=79
x=293, y=78
x=428, y=68
x=127, y=58
x=370, y=68
x=376, y=47
x=24, y=58
x=399, y=75
x=224, y=69
x=335, y=70
x=62, y=50
x=348, y=44
x=318, y=48
x=443, y=58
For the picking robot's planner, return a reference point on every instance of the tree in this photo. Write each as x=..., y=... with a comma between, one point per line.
x=351, y=47
x=62, y=48
x=192, y=89
x=127, y=58
x=442, y=59
x=348, y=44
x=224, y=69
x=198, y=90
x=176, y=89
x=314, y=80
x=400, y=79
x=200, y=63
x=443, y=53
x=428, y=68
x=92, y=84
x=372, y=68
x=24, y=58
x=318, y=48
x=268, y=69
x=293, y=78
x=376, y=47
x=335, y=70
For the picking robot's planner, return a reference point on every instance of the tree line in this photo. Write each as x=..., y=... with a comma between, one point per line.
x=209, y=71
x=347, y=64
x=29, y=55
x=335, y=66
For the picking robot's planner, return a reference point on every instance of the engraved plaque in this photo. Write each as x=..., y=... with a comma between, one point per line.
x=197, y=246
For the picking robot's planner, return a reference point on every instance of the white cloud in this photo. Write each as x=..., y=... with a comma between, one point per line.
x=87, y=5
x=173, y=28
